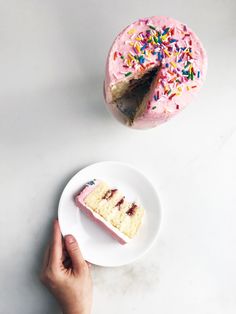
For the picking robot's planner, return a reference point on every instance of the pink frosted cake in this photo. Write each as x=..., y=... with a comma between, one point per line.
x=109, y=208
x=154, y=68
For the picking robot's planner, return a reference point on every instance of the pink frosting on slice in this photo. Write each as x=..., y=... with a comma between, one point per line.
x=79, y=200
x=168, y=44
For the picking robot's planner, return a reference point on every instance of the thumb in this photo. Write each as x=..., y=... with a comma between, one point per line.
x=74, y=252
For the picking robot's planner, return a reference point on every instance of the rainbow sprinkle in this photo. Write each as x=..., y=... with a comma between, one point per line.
x=127, y=74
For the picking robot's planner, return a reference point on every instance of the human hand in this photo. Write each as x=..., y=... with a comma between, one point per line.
x=67, y=274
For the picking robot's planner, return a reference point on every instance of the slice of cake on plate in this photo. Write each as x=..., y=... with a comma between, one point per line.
x=109, y=208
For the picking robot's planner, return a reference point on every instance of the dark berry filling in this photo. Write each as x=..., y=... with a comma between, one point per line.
x=121, y=201
x=108, y=195
x=131, y=211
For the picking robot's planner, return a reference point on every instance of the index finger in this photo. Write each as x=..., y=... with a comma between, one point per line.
x=56, y=247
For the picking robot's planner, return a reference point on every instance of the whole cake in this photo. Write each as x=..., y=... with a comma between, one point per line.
x=109, y=208
x=154, y=68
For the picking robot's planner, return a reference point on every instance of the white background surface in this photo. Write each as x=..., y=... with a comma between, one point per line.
x=53, y=122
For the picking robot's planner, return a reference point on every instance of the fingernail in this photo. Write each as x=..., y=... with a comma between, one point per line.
x=69, y=239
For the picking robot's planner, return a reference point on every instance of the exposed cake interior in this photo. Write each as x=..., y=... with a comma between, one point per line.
x=130, y=95
x=118, y=214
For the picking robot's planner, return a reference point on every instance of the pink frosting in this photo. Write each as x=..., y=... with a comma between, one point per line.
x=181, y=50
x=79, y=200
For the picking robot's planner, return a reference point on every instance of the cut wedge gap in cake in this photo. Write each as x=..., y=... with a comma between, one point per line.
x=131, y=96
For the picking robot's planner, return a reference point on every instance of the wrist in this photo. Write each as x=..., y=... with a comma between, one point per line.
x=75, y=311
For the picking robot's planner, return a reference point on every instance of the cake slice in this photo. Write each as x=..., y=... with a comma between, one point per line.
x=109, y=208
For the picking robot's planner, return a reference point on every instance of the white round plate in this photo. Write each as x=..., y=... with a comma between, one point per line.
x=96, y=245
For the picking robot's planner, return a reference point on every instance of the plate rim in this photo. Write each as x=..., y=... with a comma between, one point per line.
x=152, y=242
